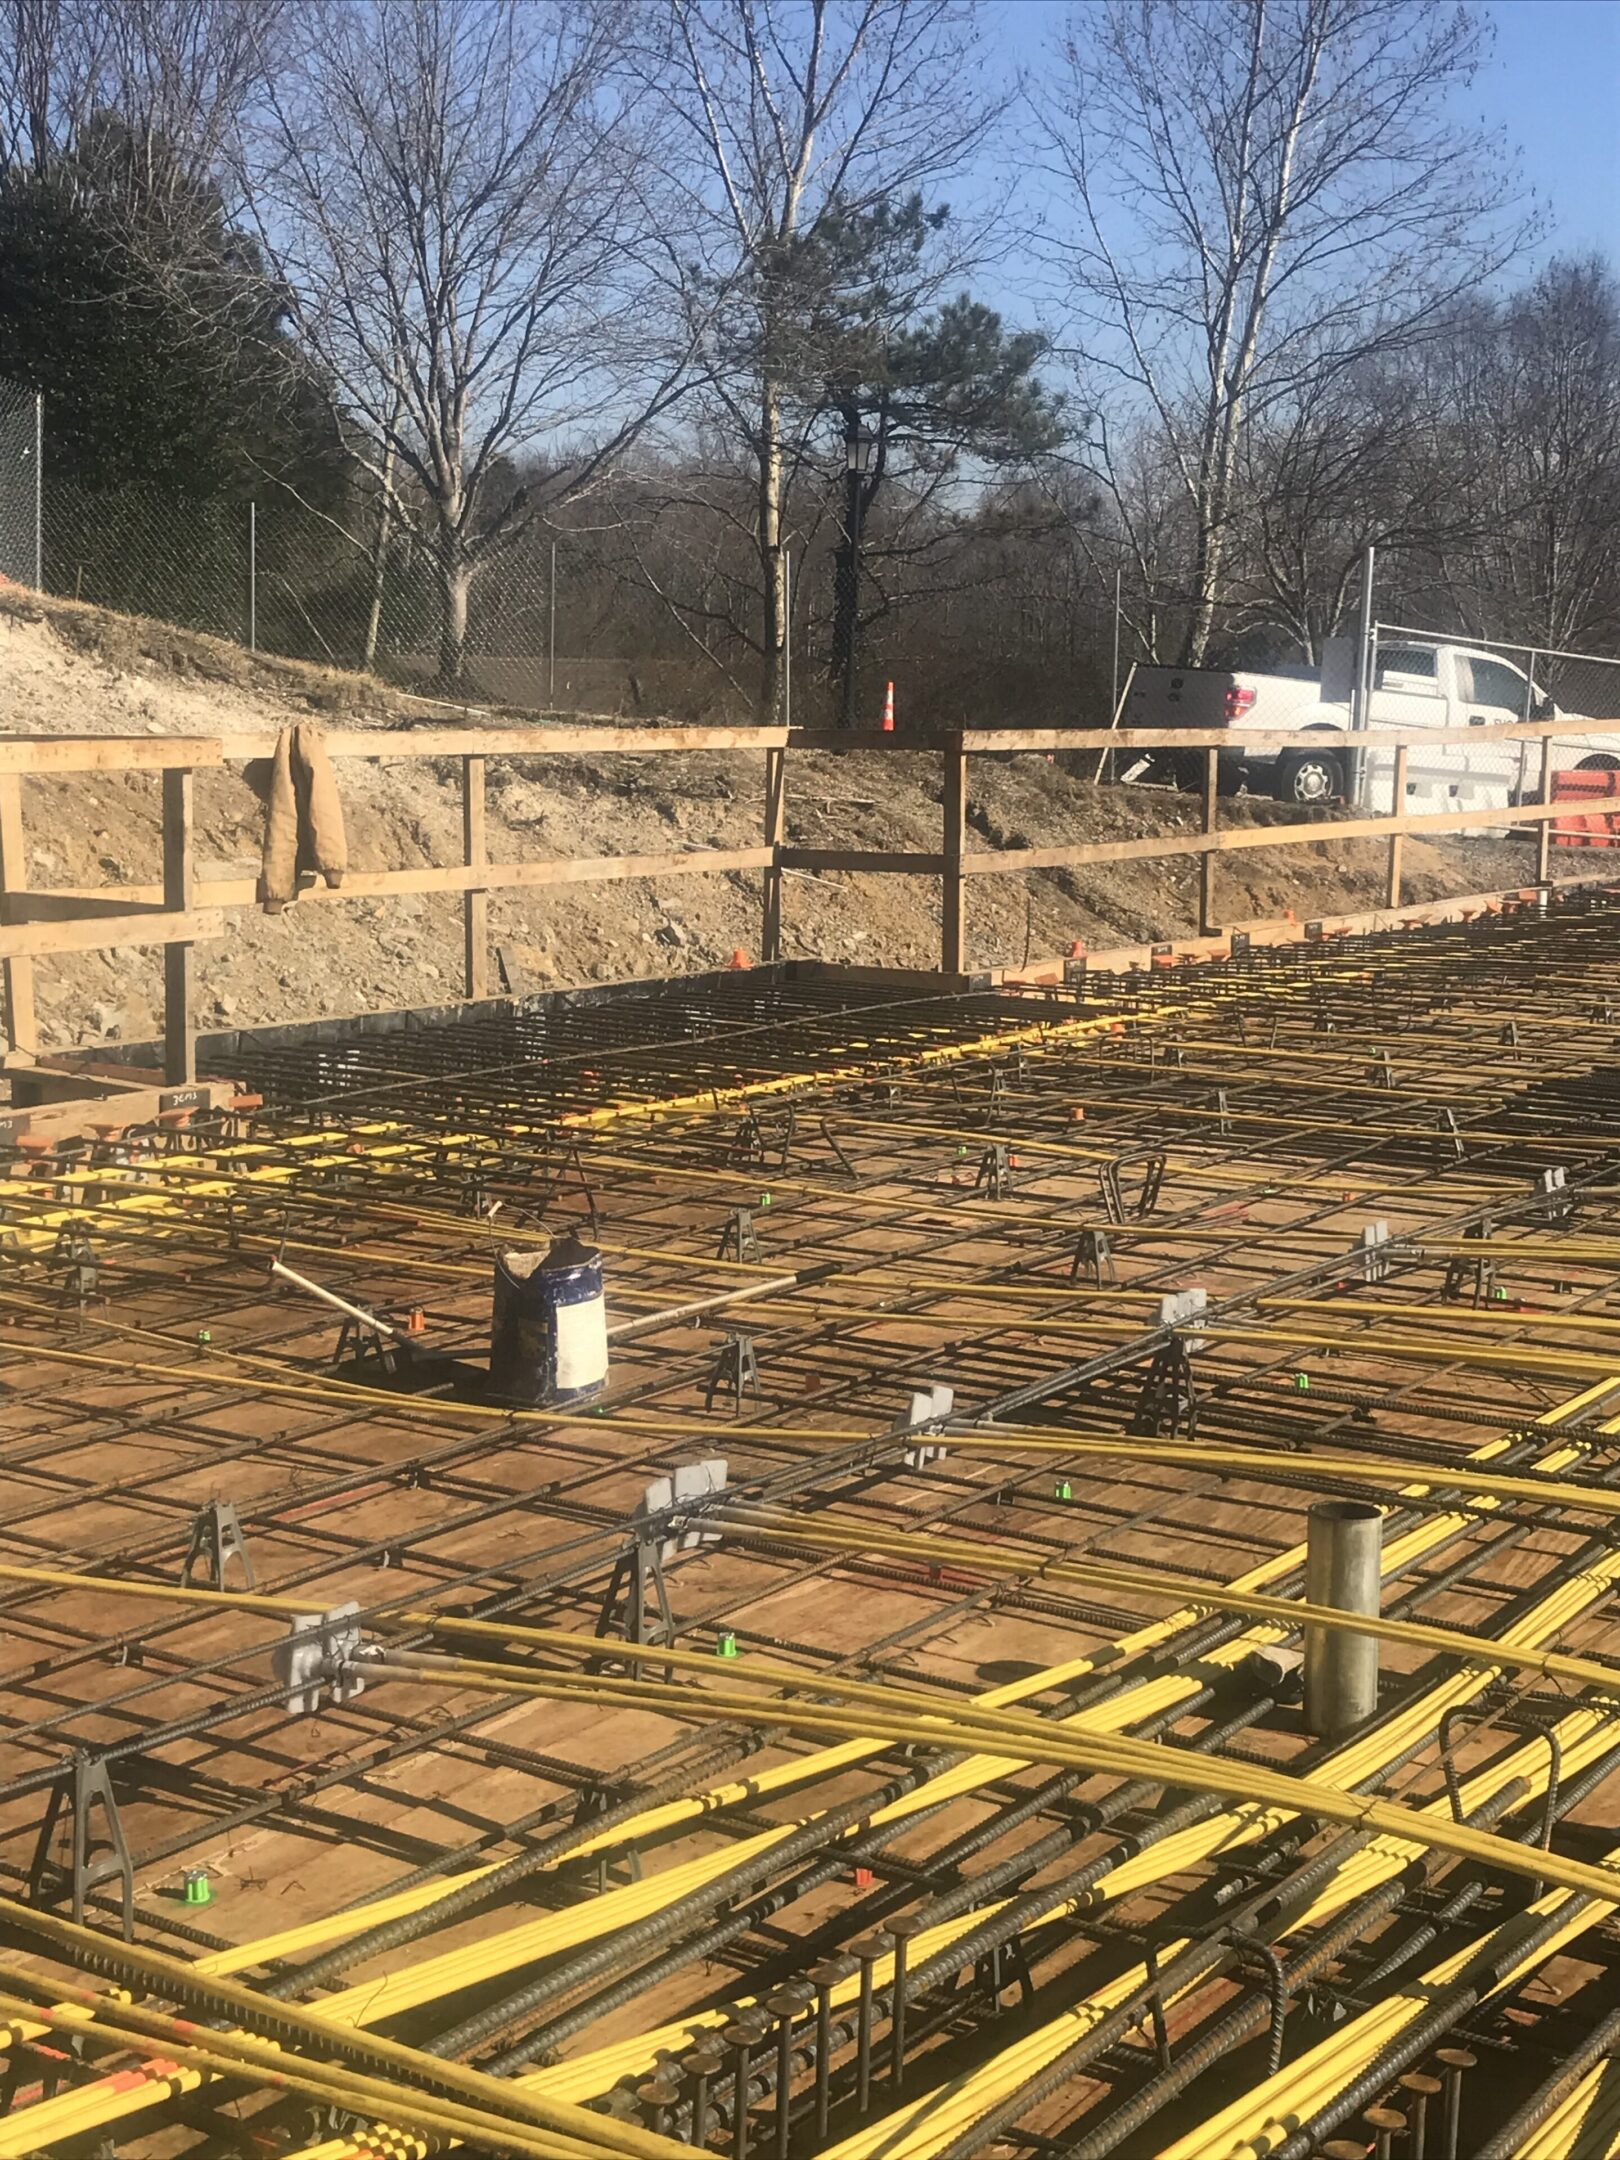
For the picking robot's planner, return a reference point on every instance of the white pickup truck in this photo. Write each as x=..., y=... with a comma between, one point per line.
x=1416, y=684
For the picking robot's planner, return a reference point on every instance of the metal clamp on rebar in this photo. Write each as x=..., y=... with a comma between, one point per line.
x=676, y=1505
x=929, y=1410
x=1557, y=1201
x=320, y=1656
x=1373, y=1248
x=667, y=1520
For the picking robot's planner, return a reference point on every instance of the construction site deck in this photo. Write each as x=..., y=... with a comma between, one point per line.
x=926, y=1773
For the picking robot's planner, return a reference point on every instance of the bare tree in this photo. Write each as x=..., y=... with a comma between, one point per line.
x=1255, y=196
x=451, y=192
x=792, y=113
x=1531, y=411
x=1360, y=464
x=169, y=80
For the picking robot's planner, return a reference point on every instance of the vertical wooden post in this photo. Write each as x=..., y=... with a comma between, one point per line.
x=475, y=900
x=1544, y=829
x=179, y=967
x=22, y=1029
x=1206, y=862
x=953, y=913
x=770, y=938
x=1397, y=841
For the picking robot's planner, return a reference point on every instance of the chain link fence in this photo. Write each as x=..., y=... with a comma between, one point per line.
x=21, y=418
x=560, y=619
x=645, y=603
x=139, y=551
x=642, y=602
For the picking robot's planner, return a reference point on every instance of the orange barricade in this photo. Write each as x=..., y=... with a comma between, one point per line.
x=1594, y=827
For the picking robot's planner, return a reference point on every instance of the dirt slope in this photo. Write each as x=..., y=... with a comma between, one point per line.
x=67, y=669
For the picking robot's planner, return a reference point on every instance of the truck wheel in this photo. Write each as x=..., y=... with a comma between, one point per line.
x=1308, y=777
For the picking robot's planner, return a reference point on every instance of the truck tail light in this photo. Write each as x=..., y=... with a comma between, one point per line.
x=1238, y=701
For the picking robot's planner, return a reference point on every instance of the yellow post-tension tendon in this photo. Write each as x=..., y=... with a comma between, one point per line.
x=1000, y=1439
x=1269, y=2113
x=1437, y=1528
x=914, y=1802
x=1133, y=1704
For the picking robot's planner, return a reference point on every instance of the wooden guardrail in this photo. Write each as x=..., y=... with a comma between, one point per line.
x=184, y=910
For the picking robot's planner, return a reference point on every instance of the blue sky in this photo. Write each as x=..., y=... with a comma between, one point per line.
x=1551, y=92
x=1553, y=88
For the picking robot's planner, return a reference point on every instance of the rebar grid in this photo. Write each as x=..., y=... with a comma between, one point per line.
x=927, y=1178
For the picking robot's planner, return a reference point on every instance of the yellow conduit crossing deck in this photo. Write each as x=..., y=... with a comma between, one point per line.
x=875, y=1601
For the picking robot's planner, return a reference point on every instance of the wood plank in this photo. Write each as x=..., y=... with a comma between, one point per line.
x=79, y=903
x=1162, y=847
x=1397, y=841
x=46, y=754
x=22, y=1025
x=35, y=940
x=1272, y=931
x=770, y=936
x=611, y=868
x=23, y=754
x=1381, y=738
x=1157, y=847
x=926, y=740
x=1544, y=833
x=542, y=739
x=475, y=901
x=69, y=1116
x=953, y=846
x=63, y=905
x=179, y=894
x=877, y=859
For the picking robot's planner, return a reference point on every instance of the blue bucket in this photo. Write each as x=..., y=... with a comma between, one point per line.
x=549, y=1340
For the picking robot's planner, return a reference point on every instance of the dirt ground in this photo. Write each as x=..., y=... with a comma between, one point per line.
x=69, y=669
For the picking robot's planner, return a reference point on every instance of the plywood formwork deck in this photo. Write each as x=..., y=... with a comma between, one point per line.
x=925, y=1171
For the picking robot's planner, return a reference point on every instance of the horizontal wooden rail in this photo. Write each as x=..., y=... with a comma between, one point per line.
x=42, y=756
x=1002, y=741
x=541, y=740
x=184, y=909
x=91, y=902
x=1228, y=841
x=46, y=754
x=157, y=926
x=873, y=859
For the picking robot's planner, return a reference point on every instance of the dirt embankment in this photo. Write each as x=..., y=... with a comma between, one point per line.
x=66, y=669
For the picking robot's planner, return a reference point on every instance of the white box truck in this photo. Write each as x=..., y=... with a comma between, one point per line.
x=1417, y=683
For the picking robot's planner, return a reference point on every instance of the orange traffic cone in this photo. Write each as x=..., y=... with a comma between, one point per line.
x=739, y=959
x=888, y=709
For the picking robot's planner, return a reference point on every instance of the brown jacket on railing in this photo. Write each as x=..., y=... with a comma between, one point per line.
x=303, y=827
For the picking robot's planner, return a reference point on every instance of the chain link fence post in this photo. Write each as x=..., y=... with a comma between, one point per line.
x=1362, y=682
x=39, y=491
x=21, y=524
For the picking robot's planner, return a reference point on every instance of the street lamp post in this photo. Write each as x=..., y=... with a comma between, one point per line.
x=859, y=446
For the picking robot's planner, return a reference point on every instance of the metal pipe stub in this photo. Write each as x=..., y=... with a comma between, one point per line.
x=1343, y=1545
